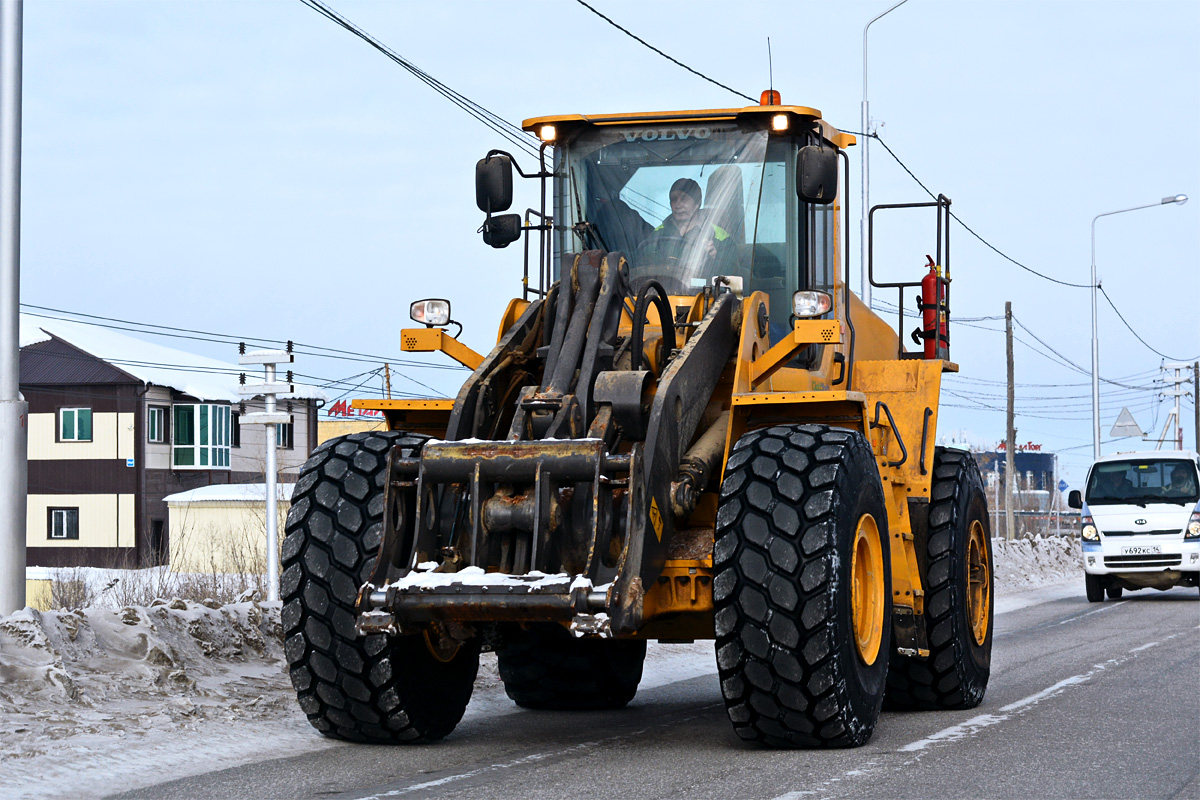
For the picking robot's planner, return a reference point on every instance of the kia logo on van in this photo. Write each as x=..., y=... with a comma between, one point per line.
x=1139, y=522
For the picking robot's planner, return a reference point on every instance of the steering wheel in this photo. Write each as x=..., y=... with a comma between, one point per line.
x=661, y=258
x=671, y=281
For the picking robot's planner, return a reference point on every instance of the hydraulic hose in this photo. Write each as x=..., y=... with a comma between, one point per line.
x=651, y=292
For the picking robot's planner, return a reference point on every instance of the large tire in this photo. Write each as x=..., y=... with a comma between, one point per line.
x=544, y=667
x=1113, y=591
x=959, y=588
x=1094, y=588
x=365, y=688
x=802, y=587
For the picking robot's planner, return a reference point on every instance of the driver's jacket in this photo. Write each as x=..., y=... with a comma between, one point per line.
x=669, y=228
x=666, y=247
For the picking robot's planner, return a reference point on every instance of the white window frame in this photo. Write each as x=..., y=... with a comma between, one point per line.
x=74, y=415
x=211, y=426
x=285, y=435
x=156, y=432
x=65, y=515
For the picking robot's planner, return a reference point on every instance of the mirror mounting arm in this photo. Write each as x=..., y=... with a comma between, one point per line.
x=542, y=174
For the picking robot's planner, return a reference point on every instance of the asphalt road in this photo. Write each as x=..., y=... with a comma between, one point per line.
x=1085, y=701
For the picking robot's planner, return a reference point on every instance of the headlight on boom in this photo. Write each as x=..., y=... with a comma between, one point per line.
x=809, y=304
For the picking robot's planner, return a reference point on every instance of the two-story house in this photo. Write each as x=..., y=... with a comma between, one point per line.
x=117, y=423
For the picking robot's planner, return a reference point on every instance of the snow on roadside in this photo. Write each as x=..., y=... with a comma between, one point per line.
x=104, y=700
x=1036, y=561
x=99, y=699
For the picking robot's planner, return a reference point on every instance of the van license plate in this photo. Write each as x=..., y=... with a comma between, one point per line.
x=1142, y=550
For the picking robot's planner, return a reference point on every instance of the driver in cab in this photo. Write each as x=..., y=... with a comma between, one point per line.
x=1181, y=483
x=695, y=239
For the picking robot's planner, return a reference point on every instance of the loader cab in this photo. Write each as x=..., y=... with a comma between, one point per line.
x=612, y=192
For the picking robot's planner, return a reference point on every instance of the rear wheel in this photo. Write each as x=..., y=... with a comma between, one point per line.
x=366, y=688
x=543, y=666
x=1094, y=588
x=802, y=589
x=958, y=595
x=1113, y=592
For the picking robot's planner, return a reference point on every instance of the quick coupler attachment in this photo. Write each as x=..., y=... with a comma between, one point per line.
x=500, y=531
x=472, y=595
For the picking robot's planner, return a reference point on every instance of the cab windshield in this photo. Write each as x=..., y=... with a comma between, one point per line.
x=686, y=202
x=1143, y=481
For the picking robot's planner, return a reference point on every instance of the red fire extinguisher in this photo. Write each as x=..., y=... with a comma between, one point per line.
x=934, y=323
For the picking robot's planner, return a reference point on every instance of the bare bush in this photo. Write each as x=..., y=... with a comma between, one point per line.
x=209, y=566
x=69, y=589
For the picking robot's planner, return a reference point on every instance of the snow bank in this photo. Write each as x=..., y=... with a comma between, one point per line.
x=88, y=691
x=1036, y=561
x=101, y=699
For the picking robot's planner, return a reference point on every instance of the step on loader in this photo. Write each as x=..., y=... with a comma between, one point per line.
x=689, y=428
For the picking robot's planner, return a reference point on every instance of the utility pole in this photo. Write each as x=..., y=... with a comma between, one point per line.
x=1196, y=399
x=1176, y=392
x=387, y=379
x=14, y=411
x=1011, y=442
x=269, y=419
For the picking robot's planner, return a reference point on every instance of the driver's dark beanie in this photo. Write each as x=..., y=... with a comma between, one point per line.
x=687, y=186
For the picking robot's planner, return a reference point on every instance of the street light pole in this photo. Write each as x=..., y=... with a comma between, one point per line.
x=14, y=416
x=1178, y=199
x=866, y=164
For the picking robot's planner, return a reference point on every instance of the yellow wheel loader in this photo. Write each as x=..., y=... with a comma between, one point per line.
x=689, y=428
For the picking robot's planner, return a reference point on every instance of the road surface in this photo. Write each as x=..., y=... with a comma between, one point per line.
x=1085, y=700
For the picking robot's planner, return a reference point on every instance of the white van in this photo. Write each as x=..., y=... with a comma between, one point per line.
x=1140, y=522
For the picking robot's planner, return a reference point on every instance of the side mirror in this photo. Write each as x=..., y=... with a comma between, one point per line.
x=494, y=184
x=1074, y=499
x=503, y=230
x=817, y=174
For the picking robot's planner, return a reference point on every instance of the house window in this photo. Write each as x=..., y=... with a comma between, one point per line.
x=285, y=435
x=156, y=416
x=237, y=429
x=74, y=424
x=64, y=523
x=201, y=436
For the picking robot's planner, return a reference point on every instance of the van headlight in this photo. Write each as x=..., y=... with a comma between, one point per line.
x=1193, y=528
x=1088, y=530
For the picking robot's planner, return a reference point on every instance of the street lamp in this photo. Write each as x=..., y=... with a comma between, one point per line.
x=1178, y=199
x=866, y=163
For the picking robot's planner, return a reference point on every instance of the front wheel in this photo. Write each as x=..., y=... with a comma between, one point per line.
x=364, y=688
x=802, y=587
x=1094, y=588
x=958, y=595
x=1114, y=592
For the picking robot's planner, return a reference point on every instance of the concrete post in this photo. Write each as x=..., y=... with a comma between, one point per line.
x=14, y=412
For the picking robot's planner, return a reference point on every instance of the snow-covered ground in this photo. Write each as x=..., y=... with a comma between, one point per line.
x=104, y=700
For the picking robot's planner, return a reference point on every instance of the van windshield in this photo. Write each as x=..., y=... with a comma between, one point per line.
x=1143, y=481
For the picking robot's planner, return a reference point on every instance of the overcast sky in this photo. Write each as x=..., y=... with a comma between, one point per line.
x=250, y=168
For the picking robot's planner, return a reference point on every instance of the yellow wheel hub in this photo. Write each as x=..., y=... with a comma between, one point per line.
x=979, y=582
x=440, y=646
x=867, y=591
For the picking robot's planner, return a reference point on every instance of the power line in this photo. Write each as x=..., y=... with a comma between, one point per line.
x=1135, y=333
x=222, y=338
x=227, y=339
x=961, y=377
x=970, y=230
x=497, y=123
x=1027, y=268
x=675, y=61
